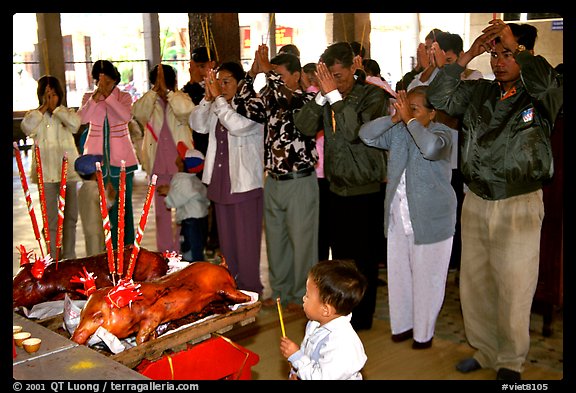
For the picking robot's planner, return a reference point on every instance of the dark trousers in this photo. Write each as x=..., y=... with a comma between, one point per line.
x=324, y=242
x=194, y=232
x=458, y=185
x=357, y=224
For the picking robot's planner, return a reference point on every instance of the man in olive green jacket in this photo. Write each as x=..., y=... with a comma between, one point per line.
x=356, y=172
x=505, y=156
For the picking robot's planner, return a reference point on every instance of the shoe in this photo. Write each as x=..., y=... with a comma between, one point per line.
x=424, y=345
x=398, y=338
x=468, y=365
x=268, y=302
x=381, y=283
x=505, y=374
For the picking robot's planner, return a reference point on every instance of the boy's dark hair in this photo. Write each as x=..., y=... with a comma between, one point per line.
x=338, y=53
x=169, y=76
x=450, y=42
x=525, y=34
x=340, y=284
x=54, y=83
x=234, y=68
x=107, y=68
x=290, y=48
x=290, y=61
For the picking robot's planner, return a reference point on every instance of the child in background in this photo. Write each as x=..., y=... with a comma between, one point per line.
x=331, y=348
x=187, y=194
x=89, y=204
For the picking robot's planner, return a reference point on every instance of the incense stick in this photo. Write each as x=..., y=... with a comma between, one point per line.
x=280, y=315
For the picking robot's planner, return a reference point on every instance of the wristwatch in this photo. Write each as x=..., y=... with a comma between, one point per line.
x=519, y=48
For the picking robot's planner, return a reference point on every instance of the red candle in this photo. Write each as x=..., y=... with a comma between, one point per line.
x=121, y=212
x=42, y=194
x=141, y=227
x=27, y=195
x=61, y=205
x=105, y=220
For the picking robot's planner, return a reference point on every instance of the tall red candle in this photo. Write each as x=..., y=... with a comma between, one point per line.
x=121, y=212
x=105, y=220
x=61, y=206
x=42, y=195
x=141, y=227
x=27, y=195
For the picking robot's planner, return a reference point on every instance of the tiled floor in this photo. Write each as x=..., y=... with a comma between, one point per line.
x=545, y=351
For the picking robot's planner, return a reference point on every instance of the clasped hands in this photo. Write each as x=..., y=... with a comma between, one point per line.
x=261, y=61
x=49, y=100
x=403, y=110
x=212, y=86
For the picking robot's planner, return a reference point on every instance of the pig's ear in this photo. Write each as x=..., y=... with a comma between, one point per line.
x=222, y=261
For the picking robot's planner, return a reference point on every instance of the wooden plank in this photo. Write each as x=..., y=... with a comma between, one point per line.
x=154, y=349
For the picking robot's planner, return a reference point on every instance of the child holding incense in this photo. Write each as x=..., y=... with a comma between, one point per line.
x=331, y=348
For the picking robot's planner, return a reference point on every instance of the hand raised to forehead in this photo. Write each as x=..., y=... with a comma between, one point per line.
x=402, y=106
x=438, y=56
x=325, y=78
x=213, y=88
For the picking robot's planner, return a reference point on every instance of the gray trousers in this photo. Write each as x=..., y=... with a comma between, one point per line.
x=291, y=225
x=51, y=191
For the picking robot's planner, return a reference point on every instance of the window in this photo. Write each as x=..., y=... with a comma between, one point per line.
x=524, y=17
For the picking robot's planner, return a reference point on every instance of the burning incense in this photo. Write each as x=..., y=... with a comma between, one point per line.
x=280, y=315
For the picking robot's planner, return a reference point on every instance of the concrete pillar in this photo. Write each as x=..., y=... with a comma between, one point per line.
x=50, y=48
x=151, y=27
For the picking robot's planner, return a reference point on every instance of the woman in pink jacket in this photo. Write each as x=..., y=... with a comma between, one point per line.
x=107, y=111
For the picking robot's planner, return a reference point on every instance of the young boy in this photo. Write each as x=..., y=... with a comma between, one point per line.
x=331, y=348
x=89, y=204
x=187, y=194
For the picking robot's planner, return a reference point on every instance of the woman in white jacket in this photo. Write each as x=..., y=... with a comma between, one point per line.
x=52, y=126
x=163, y=114
x=233, y=171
